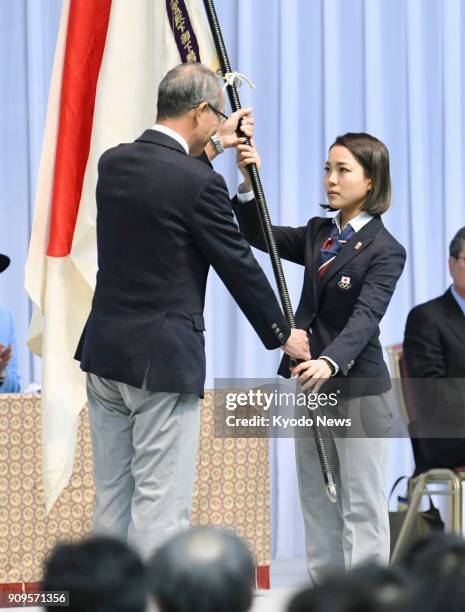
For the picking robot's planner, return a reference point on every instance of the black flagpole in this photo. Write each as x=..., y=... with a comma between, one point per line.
x=268, y=231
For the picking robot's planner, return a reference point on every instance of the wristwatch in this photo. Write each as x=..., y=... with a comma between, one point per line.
x=217, y=143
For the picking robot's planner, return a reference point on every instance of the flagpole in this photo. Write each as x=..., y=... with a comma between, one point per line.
x=267, y=230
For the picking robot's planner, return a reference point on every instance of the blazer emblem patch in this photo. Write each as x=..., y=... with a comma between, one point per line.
x=344, y=283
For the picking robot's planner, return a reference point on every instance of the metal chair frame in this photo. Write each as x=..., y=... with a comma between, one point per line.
x=418, y=486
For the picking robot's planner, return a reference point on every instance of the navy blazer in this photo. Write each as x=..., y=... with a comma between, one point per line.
x=434, y=342
x=434, y=352
x=163, y=217
x=341, y=315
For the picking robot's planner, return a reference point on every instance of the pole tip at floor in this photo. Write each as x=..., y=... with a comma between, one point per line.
x=331, y=492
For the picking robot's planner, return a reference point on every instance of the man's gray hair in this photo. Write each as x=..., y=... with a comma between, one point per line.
x=456, y=245
x=205, y=569
x=184, y=86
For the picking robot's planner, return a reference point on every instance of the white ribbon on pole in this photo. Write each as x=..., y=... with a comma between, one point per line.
x=232, y=77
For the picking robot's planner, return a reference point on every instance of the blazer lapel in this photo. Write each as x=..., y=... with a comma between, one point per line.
x=320, y=234
x=454, y=314
x=359, y=241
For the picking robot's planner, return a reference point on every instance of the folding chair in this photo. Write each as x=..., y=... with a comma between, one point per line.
x=418, y=485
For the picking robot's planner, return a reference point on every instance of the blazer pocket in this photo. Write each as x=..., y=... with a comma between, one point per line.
x=371, y=354
x=199, y=322
x=369, y=359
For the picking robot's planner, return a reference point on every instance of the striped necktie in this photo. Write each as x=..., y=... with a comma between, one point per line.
x=332, y=245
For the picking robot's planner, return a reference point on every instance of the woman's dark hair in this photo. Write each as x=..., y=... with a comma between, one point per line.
x=373, y=156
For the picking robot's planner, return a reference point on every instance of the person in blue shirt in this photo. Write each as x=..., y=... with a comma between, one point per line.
x=9, y=377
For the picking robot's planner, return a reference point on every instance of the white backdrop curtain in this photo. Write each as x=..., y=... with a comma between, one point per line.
x=394, y=68
x=28, y=33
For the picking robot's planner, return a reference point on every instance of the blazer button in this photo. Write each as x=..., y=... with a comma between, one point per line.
x=274, y=326
x=277, y=330
x=281, y=336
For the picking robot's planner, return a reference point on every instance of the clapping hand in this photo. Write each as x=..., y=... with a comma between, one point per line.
x=6, y=353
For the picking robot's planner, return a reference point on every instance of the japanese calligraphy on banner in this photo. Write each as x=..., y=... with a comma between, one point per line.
x=183, y=32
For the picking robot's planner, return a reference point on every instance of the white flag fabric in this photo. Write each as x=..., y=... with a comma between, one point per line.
x=109, y=60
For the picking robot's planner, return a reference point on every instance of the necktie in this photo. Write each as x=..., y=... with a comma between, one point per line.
x=331, y=247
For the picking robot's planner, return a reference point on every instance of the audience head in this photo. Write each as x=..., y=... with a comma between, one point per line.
x=101, y=575
x=203, y=569
x=438, y=563
x=457, y=261
x=4, y=262
x=368, y=588
x=439, y=555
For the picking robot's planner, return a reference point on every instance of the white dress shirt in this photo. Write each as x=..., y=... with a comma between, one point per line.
x=356, y=223
x=173, y=134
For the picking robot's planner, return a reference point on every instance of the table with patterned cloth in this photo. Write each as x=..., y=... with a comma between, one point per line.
x=232, y=489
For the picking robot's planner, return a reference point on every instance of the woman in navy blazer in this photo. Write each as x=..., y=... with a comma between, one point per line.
x=352, y=265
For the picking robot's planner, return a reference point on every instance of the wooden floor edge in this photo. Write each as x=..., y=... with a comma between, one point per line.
x=18, y=588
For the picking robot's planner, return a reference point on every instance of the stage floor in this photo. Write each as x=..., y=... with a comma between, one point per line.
x=287, y=576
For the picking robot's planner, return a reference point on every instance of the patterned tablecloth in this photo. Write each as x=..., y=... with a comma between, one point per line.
x=232, y=489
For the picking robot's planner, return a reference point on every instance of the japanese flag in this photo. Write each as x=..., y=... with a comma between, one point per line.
x=110, y=57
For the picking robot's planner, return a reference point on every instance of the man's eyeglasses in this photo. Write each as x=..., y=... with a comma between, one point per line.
x=217, y=112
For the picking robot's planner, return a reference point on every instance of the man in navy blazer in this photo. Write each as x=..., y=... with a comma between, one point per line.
x=163, y=218
x=434, y=352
